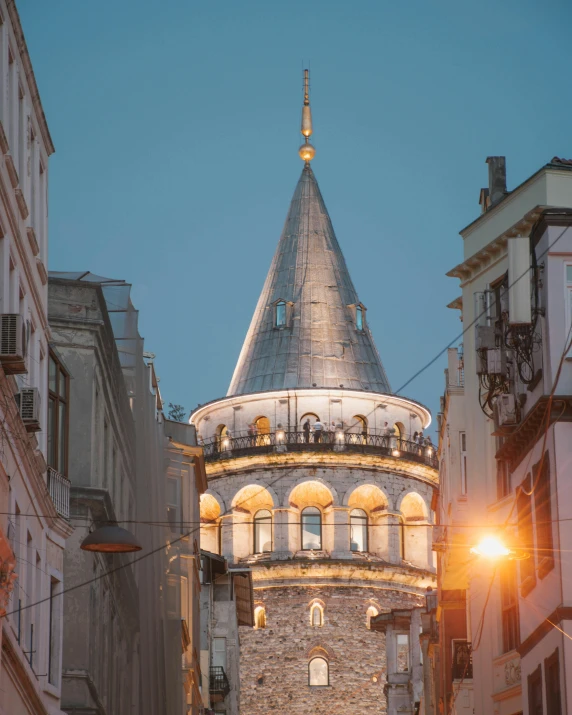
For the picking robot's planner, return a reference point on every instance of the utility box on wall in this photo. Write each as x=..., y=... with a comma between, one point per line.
x=519, y=305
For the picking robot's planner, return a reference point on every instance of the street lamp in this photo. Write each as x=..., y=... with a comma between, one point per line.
x=111, y=539
x=492, y=547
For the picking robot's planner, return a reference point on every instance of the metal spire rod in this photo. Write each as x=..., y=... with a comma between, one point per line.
x=306, y=151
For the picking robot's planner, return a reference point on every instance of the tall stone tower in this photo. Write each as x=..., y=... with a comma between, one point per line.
x=334, y=522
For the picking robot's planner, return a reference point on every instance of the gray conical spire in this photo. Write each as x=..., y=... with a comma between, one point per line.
x=320, y=345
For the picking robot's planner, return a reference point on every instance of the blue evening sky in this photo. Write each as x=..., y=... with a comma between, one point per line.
x=176, y=126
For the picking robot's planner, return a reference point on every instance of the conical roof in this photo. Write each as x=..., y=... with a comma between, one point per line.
x=320, y=345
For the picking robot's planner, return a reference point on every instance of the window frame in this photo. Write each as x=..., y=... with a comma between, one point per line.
x=54, y=633
x=256, y=522
x=535, y=679
x=175, y=526
x=567, y=305
x=320, y=515
x=553, y=695
x=55, y=399
x=365, y=523
x=360, y=318
x=316, y=607
x=463, y=460
x=525, y=526
x=543, y=516
x=319, y=685
x=510, y=615
x=408, y=636
x=280, y=319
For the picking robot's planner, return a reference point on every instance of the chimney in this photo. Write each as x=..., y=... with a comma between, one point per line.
x=497, y=179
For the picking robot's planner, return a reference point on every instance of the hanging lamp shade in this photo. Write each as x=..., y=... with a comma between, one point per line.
x=112, y=539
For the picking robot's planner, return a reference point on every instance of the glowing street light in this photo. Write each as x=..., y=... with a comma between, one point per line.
x=491, y=547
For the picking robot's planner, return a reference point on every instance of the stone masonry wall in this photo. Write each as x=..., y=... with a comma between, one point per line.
x=274, y=660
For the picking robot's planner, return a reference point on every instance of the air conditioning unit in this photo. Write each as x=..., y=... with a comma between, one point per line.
x=13, y=344
x=28, y=401
x=506, y=410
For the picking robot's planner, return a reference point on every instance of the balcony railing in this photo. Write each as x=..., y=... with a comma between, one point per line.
x=219, y=686
x=338, y=441
x=462, y=660
x=59, y=488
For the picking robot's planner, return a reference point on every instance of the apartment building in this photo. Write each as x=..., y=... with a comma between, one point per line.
x=34, y=489
x=505, y=454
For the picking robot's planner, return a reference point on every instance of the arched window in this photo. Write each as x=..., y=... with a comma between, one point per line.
x=370, y=613
x=359, y=317
x=223, y=437
x=262, y=429
x=260, y=617
x=358, y=530
x=311, y=528
x=281, y=314
x=318, y=672
x=317, y=616
x=399, y=431
x=262, y=425
x=262, y=531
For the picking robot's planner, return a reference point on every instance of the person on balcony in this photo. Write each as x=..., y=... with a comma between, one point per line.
x=306, y=428
x=332, y=434
x=318, y=429
x=252, y=433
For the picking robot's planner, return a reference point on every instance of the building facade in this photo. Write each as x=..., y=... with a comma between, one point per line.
x=128, y=627
x=185, y=483
x=226, y=603
x=505, y=453
x=316, y=483
x=34, y=490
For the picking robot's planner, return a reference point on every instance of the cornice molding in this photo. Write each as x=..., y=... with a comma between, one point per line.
x=486, y=257
x=335, y=460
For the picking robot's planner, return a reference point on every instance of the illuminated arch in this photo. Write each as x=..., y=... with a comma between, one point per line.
x=259, y=617
x=311, y=492
x=367, y=496
x=253, y=497
x=371, y=612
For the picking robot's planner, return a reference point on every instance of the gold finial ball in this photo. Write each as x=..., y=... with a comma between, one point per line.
x=307, y=152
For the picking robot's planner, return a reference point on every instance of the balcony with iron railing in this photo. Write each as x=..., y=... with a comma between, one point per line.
x=219, y=687
x=59, y=488
x=227, y=447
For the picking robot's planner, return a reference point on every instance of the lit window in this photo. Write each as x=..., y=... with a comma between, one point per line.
x=260, y=617
x=280, y=314
x=402, y=652
x=509, y=607
x=318, y=672
x=317, y=616
x=58, y=384
x=311, y=528
x=358, y=530
x=371, y=613
x=359, y=317
x=262, y=531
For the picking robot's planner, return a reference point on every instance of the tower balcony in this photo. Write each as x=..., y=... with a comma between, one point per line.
x=227, y=447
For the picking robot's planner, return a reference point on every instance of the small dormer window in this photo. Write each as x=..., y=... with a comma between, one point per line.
x=282, y=311
x=359, y=317
x=281, y=314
